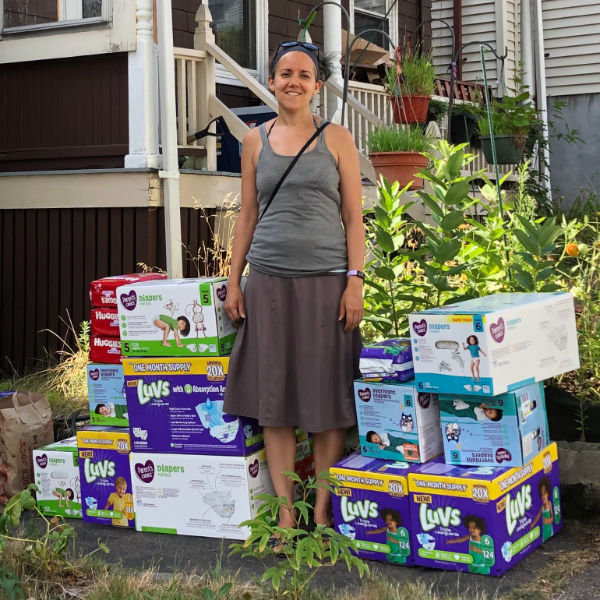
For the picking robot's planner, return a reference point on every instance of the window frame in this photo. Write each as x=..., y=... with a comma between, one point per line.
x=392, y=19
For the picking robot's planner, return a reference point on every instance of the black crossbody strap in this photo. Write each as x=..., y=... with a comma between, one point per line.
x=292, y=163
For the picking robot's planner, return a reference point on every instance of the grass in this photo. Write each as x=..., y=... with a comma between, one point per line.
x=398, y=139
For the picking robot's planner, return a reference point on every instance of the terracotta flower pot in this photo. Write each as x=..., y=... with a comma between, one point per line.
x=409, y=109
x=400, y=166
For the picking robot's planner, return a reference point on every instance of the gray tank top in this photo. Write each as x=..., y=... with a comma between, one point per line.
x=301, y=233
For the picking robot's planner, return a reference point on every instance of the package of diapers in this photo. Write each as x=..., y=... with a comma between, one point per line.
x=103, y=292
x=387, y=361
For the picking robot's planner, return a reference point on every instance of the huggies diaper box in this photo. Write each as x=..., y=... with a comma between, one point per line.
x=370, y=505
x=105, y=478
x=176, y=405
x=397, y=422
x=175, y=317
x=507, y=430
x=388, y=361
x=56, y=473
x=105, y=322
x=105, y=350
x=201, y=495
x=483, y=520
x=491, y=345
x=106, y=394
x=103, y=291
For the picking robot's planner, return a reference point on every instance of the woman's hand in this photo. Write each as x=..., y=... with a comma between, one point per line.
x=351, y=304
x=234, y=304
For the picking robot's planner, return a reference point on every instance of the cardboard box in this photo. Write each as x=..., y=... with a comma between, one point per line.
x=397, y=422
x=105, y=350
x=502, y=431
x=105, y=477
x=103, y=291
x=483, y=520
x=203, y=495
x=56, y=473
x=176, y=405
x=175, y=317
x=491, y=345
x=106, y=395
x=371, y=506
x=388, y=361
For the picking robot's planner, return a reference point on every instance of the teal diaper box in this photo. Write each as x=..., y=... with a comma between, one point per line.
x=106, y=395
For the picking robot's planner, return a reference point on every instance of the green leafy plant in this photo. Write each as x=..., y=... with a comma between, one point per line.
x=416, y=77
x=399, y=139
x=437, y=110
x=305, y=551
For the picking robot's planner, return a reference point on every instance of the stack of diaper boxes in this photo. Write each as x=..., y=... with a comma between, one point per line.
x=494, y=495
x=194, y=468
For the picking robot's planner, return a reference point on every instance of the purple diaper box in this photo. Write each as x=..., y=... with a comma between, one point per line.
x=387, y=361
x=176, y=405
x=483, y=520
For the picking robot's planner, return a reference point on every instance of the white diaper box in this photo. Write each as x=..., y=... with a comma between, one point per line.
x=207, y=495
x=488, y=346
x=175, y=317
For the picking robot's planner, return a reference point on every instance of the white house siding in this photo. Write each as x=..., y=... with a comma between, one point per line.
x=572, y=45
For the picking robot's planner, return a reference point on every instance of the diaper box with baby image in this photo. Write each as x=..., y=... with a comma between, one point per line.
x=491, y=345
x=370, y=506
x=106, y=395
x=56, y=473
x=106, y=495
x=209, y=496
x=507, y=430
x=176, y=405
x=103, y=292
x=175, y=317
x=387, y=361
x=397, y=422
x=483, y=519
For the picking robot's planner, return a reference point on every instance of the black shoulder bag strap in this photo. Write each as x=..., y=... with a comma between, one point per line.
x=290, y=166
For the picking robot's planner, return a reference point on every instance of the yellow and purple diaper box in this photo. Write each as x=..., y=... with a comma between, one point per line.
x=370, y=506
x=507, y=430
x=175, y=317
x=56, y=473
x=106, y=494
x=176, y=405
x=106, y=394
x=397, y=422
x=210, y=496
x=495, y=344
x=482, y=519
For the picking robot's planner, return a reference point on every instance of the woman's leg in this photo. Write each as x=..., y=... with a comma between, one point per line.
x=328, y=449
x=280, y=444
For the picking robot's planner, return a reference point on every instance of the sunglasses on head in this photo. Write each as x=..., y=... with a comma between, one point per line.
x=292, y=44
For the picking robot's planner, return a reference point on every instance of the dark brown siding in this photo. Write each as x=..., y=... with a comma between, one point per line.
x=48, y=257
x=64, y=114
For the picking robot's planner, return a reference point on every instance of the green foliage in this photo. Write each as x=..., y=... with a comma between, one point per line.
x=437, y=110
x=305, y=552
x=416, y=77
x=399, y=139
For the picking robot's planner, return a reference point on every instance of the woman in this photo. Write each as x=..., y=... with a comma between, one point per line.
x=297, y=349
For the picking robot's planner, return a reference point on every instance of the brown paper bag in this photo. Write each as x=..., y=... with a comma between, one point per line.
x=25, y=424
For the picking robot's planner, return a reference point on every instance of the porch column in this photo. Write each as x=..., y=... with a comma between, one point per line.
x=143, y=93
x=332, y=48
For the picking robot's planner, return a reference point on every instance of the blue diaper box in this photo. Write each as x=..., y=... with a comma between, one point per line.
x=387, y=361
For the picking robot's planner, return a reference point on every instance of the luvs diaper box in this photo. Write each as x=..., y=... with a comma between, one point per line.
x=176, y=405
x=370, y=505
x=491, y=345
x=387, y=361
x=483, y=520
x=56, y=473
x=397, y=422
x=105, y=477
x=175, y=317
x=203, y=495
x=502, y=431
x=106, y=394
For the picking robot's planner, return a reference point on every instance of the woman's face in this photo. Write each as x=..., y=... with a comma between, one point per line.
x=295, y=81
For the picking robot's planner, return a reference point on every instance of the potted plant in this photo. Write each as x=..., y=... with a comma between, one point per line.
x=397, y=153
x=410, y=81
x=463, y=122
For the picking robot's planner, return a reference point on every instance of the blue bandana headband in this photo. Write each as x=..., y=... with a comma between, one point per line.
x=308, y=49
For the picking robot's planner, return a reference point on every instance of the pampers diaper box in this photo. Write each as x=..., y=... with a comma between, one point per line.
x=491, y=345
x=175, y=317
x=507, y=430
x=106, y=394
x=204, y=495
x=370, y=505
x=387, y=361
x=176, y=405
x=397, y=422
x=482, y=519
x=56, y=473
x=106, y=495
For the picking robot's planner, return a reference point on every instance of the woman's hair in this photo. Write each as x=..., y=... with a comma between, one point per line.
x=479, y=523
x=324, y=65
x=393, y=513
x=475, y=338
x=186, y=329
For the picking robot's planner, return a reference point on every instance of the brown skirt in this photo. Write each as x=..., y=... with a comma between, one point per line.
x=292, y=363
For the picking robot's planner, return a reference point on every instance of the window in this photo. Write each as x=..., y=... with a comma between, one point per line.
x=18, y=15
x=371, y=14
